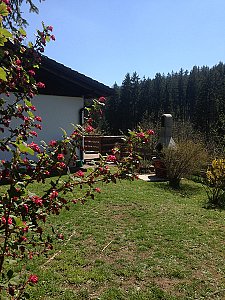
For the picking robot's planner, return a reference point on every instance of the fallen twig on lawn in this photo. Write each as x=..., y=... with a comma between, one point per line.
x=107, y=245
x=57, y=253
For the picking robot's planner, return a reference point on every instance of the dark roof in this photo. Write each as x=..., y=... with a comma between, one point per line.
x=63, y=81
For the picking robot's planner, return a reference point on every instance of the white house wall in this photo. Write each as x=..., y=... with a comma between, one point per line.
x=56, y=112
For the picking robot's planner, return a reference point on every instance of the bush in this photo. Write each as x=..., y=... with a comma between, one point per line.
x=215, y=182
x=183, y=160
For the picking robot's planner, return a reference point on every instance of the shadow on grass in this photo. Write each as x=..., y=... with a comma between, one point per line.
x=187, y=188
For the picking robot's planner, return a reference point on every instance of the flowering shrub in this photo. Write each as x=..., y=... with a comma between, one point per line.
x=22, y=213
x=142, y=141
x=215, y=182
x=93, y=115
x=131, y=152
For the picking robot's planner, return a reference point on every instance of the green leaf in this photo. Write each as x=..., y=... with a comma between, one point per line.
x=27, y=177
x=3, y=9
x=64, y=132
x=4, y=298
x=10, y=274
x=4, y=32
x=30, y=44
x=24, y=149
x=15, y=280
x=30, y=114
x=28, y=103
x=2, y=74
x=19, y=222
x=2, y=40
x=22, y=32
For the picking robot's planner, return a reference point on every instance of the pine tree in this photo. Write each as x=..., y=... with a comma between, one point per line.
x=126, y=104
x=112, y=111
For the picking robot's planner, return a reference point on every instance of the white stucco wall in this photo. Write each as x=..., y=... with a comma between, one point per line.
x=56, y=112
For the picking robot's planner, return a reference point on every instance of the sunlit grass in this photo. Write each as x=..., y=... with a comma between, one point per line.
x=136, y=240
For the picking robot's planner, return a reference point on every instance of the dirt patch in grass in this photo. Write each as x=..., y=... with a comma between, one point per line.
x=170, y=285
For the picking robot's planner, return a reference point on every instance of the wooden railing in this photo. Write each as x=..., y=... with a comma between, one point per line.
x=94, y=144
x=102, y=144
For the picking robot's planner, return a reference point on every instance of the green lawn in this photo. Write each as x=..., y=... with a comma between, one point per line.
x=137, y=240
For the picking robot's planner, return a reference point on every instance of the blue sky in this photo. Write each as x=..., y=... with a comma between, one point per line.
x=105, y=39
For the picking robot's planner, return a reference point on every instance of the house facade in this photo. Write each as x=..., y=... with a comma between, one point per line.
x=61, y=102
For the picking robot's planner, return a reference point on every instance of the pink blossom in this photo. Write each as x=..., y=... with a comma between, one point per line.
x=75, y=133
x=18, y=62
x=52, y=143
x=26, y=119
x=60, y=236
x=9, y=9
x=37, y=200
x=53, y=37
x=7, y=2
x=98, y=190
x=38, y=126
x=50, y=28
x=26, y=207
x=89, y=129
x=25, y=229
x=140, y=135
x=43, y=40
x=40, y=85
x=30, y=256
x=34, y=133
x=33, y=279
x=60, y=156
x=79, y=173
x=101, y=169
x=53, y=194
x=31, y=72
x=25, y=161
x=102, y=99
x=62, y=165
x=35, y=147
x=90, y=121
x=37, y=118
x=33, y=108
x=151, y=132
x=111, y=158
x=3, y=219
x=104, y=170
x=31, y=95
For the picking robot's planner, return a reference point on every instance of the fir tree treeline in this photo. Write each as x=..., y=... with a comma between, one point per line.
x=197, y=96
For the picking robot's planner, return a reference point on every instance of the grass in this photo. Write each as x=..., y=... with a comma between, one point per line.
x=136, y=240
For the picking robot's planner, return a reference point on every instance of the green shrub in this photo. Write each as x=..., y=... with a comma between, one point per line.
x=215, y=182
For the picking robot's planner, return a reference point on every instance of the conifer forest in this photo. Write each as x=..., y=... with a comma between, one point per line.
x=196, y=97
